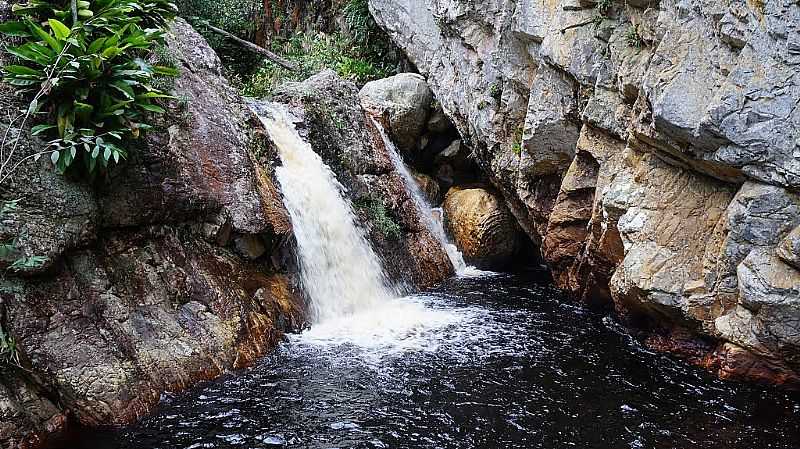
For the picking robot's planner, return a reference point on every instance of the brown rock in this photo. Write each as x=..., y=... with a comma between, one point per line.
x=429, y=187
x=482, y=227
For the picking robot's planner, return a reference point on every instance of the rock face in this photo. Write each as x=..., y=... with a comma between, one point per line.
x=652, y=149
x=337, y=128
x=144, y=289
x=482, y=227
x=180, y=266
x=404, y=99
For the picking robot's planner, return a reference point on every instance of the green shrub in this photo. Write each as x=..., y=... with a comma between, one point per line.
x=604, y=6
x=91, y=87
x=633, y=38
x=312, y=53
x=9, y=254
x=516, y=146
x=379, y=215
x=8, y=349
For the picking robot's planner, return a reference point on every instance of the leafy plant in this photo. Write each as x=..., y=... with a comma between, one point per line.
x=380, y=217
x=633, y=38
x=9, y=252
x=496, y=90
x=604, y=6
x=516, y=146
x=8, y=349
x=91, y=86
x=311, y=53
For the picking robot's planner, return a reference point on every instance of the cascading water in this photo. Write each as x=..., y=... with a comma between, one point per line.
x=340, y=272
x=434, y=225
x=351, y=301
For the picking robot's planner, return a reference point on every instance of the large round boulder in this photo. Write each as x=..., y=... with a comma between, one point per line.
x=405, y=100
x=482, y=227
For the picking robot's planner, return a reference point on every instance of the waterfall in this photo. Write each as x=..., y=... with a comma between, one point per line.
x=432, y=218
x=340, y=272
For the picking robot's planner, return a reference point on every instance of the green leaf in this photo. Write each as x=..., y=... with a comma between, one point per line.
x=166, y=71
x=111, y=52
x=61, y=31
x=154, y=95
x=30, y=52
x=38, y=129
x=125, y=88
x=83, y=107
x=46, y=37
x=15, y=29
x=152, y=108
x=22, y=70
x=54, y=156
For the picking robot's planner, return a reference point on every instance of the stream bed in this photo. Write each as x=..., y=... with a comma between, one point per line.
x=496, y=361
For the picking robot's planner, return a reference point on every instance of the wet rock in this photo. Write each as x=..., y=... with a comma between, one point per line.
x=582, y=243
x=336, y=127
x=405, y=100
x=680, y=107
x=429, y=187
x=481, y=226
x=142, y=291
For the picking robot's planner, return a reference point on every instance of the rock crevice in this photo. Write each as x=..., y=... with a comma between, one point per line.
x=651, y=149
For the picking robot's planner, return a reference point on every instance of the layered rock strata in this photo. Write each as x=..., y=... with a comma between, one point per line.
x=651, y=149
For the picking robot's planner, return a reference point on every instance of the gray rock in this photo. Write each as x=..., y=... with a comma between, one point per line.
x=789, y=249
x=405, y=101
x=705, y=95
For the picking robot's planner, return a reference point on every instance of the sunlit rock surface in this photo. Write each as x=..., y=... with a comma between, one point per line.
x=652, y=149
x=482, y=227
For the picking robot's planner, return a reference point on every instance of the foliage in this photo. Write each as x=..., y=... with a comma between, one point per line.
x=8, y=349
x=369, y=42
x=604, y=6
x=496, y=90
x=633, y=38
x=379, y=215
x=312, y=53
x=516, y=146
x=90, y=84
x=237, y=17
x=9, y=252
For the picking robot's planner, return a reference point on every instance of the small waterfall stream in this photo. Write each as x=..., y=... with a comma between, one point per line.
x=351, y=298
x=340, y=272
x=426, y=212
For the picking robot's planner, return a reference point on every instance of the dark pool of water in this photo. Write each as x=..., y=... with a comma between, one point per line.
x=518, y=368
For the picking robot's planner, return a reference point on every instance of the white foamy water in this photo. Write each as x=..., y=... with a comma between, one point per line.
x=351, y=301
x=340, y=272
x=433, y=219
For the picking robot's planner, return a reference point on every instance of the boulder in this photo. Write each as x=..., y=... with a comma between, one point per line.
x=405, y=100
x=789, y=249
x=482, y=227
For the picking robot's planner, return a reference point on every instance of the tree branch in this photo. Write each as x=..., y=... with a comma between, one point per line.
x=255, y=48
